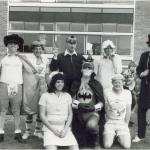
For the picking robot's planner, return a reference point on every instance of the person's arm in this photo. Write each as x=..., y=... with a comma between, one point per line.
x=128, y=113
x=68, y=123
x=141, y=72
x=117, y=64
x=128, y=107
x=45, y=121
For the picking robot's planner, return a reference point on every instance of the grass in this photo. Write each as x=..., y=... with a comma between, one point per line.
x=35, y=143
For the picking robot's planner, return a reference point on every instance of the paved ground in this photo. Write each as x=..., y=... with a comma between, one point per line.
x=35, y=143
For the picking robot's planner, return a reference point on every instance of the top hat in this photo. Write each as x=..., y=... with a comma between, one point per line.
x=13, y=38
x=71, y=39
x=148, y=42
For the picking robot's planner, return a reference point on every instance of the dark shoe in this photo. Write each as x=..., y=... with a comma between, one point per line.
x=1, y=137
x=18, y=137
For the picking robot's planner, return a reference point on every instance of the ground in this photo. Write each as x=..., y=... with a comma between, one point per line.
x=35, y=143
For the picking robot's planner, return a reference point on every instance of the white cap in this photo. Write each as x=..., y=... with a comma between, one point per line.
x=117, y=77
x=108, y=43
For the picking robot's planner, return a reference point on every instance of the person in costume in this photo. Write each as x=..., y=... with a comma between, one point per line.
x=41, y=65
x=144, y=97
x=118, y=110
x=88, y=101
x=12, y=67
x=108, y=64
x=56, y=115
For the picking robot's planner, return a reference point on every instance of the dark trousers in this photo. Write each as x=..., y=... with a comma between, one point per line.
x=142, y=122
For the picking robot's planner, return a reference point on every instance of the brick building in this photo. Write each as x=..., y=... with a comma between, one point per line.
x=126, y=22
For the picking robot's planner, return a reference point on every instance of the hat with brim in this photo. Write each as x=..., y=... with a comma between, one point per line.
x=13, y=38
x=71, y=39
x=148, y=42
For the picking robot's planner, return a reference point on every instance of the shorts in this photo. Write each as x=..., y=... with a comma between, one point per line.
x=14, y=101
x=116, y=128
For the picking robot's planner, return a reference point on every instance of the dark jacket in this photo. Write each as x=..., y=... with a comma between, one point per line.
x=144, y=64
x=69, y=65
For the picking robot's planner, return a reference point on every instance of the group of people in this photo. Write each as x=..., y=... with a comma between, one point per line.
x=71, y=94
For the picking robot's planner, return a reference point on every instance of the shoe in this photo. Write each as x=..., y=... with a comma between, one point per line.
x=38, y=134
x=1, y=137
x=137, y=139
x=97, y=147
x=18, y=137
x=26, y=135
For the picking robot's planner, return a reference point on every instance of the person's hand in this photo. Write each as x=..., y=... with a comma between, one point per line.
x=144, y=73
x=55, y=53
x=63, y=133
x=148, y=117
x=85, y=107
x=56, y=132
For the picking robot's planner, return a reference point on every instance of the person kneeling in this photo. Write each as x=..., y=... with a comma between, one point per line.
x=89, y=100
x=118, y=111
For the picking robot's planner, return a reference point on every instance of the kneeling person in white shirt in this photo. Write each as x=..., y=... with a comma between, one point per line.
x=118, y=111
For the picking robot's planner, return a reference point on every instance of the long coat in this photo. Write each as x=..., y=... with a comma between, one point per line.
x=144, y=64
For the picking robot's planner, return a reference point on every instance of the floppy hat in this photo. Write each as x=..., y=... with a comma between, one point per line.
x=108, y=43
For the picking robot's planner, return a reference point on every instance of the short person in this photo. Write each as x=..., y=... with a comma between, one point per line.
x=56, y=115
x=118, y=111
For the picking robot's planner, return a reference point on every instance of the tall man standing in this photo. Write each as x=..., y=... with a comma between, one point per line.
x=68, y=62
x=143, y=73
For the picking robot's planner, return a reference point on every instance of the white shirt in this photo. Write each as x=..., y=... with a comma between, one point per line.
x=116, y=104
x=56, y=107
x=11, y=70
x=105, y=70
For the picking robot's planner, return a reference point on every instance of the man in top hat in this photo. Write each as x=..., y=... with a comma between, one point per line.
x=143, y=72
x=11, y=81
x=68, y=62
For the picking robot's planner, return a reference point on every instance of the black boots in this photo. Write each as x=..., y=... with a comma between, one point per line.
x=1, y=137
x=18, y=137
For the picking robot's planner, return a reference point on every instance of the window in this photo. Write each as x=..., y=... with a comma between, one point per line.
x=16, y=25
x=94, y=27
x=95, y=41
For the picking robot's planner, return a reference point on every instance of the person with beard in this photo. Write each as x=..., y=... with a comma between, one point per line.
x=88, y=102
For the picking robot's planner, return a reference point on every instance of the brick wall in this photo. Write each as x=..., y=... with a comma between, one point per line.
x=142, y=27
x=3, y=23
